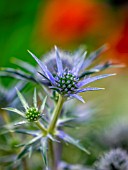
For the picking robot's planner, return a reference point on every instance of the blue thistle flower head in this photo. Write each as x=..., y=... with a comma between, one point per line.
x=116, y=159
x=67, y=76
x=31, y=113
x=116, y=135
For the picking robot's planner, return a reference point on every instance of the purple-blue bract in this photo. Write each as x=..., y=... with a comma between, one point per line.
x=67, y=81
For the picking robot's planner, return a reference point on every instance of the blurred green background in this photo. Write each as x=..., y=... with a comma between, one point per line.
x=38, y=25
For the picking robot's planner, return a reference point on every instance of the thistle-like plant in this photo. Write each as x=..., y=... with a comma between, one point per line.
x=67, y=81
x=116, y=159
x=30, y=113
x=31, y=73
x=8, y=98
x=115, y=135
x=35, y=116
x=65, y=75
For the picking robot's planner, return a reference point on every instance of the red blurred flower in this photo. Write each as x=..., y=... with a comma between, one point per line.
x=122, y=44
x=69, y=20
x=119, y=42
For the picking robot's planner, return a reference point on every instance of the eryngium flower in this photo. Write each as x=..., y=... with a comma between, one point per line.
x=116, y=135
x=66, y=77
x=116, y=159
x=32, y=113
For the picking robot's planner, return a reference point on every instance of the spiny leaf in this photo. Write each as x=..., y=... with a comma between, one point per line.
x=63, y=121
x=23, y=152
x=35, y=98
x=20, y=145
x=62, y=135
x=34, y=140
x=11, y=127
x=108, y=64
x=16, y=74
x=53, y=138
x=15, y=111
x=94, y=55
x=43, y=104
x=28, y=132
x=24, y=65
x=20, y=123
x=30, y=151
x=43, y=148
x=31, y=142
x=88, y=72
x=22, y=99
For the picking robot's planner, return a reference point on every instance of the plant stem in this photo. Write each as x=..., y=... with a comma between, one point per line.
x=24, y=163
x=58, y=152
x=52, y=159
x=56, y=114
x=41, y=127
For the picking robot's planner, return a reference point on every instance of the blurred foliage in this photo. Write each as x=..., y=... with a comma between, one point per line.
x=17, y=23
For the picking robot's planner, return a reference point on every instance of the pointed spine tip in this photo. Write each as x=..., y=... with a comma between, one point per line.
x=56, y=49
x=114, y=74
x=83, y=101
x=85, y=53
x=102, y=88
x=30, y=52
x=88, y=152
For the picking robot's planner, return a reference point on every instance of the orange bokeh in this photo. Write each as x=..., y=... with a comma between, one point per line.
x=69, y=20
x=119, y=42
